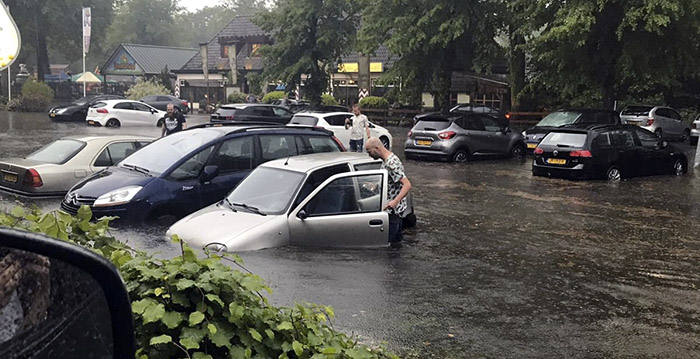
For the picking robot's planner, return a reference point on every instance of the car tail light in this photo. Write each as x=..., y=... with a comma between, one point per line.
x=32, y=178
x=584, y=153
x=337, y=141
x=102, y=110
x=410, y=133
x=507, y=115
x=650, y=122
x=230, y=118
x=184, y=103
x=447, y=135
x=538, y=151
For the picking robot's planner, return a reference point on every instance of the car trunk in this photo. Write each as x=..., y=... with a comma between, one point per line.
x=564, y=150
x=13, y=173
x=428, y=131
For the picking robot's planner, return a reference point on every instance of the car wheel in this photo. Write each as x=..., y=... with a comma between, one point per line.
x=518, y=151
x=659, y=133
x=77, y=117
x=613, y=174
x=385, y=142
x=159, y=123
x=460, y=156
x=679, y=167
x=685, y=136
x=112, y=123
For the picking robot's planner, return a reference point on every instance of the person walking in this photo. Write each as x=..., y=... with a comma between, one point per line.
x=358, y=125
x=173, y=122
x=398, y=187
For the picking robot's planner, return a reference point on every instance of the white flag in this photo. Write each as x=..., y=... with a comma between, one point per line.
x=87, y=26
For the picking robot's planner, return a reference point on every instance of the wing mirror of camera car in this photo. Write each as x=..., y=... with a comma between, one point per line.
x=60, y=301
x=209, y=173
x=302, y=215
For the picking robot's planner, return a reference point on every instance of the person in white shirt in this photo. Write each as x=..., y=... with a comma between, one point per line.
x=356, y=124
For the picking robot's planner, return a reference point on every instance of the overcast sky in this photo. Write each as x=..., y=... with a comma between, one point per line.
x=194, y=5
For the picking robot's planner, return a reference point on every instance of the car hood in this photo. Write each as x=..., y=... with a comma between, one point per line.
x=109, y=179
x=65, y=105
x=239, y=231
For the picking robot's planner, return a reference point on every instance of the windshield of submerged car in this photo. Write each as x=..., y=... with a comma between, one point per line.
x=164, y=153
x=559, y=118
x=270, y=190
x=57, y=152
x=564, y=139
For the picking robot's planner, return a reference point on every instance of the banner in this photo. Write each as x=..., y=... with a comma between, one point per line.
x=87, y=26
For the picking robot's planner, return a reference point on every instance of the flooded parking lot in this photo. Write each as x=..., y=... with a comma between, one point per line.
x=500, y=265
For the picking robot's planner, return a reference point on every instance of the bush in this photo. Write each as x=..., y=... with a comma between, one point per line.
x=146, y=88
x=328, y=100
x=36, y=96
x=273, y=96
x=236, y=97
x=374, y=102
x=198, y=307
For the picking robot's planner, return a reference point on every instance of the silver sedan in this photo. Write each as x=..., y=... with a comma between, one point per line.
x=55, y=168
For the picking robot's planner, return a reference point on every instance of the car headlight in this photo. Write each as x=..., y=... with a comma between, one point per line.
x=117, y=197
x=216, y=247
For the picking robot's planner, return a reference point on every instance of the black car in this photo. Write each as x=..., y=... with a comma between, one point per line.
x=77, y=111
x=568, y=118
x=610, y=152
x=161, y=102
x=241, y=112
x=191, y=169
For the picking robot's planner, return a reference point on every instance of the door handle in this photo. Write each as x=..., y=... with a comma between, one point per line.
x=376, y=222
x=187, y=188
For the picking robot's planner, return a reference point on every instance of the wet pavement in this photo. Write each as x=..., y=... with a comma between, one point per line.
x=500, y=265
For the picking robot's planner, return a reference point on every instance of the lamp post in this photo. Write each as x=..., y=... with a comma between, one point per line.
x=11, y=43
x=205, y=69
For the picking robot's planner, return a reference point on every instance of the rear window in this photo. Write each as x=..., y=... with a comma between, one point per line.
x=636, y=110
x=321, y=144
x=226, y=112
x=559, y=118
x=304, y=120
x=57, y=152
x=564, y=139
x=432, y=124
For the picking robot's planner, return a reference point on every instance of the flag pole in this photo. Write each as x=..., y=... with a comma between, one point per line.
x=84, y=83
x=9, y=85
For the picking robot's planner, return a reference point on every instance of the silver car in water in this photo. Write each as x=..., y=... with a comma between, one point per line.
x=664, y=122
x=318, y=200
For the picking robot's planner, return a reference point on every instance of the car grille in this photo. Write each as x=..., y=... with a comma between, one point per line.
x=71, y=203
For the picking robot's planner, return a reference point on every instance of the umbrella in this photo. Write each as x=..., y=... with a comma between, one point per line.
x=88, y=77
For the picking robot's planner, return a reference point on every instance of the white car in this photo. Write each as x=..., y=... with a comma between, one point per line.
x=695, y=130
x=335, y=121
x=115, y=113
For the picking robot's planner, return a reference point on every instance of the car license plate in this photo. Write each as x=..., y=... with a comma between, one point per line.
x=531, y=145
x=424, y=142
x=9, y=177
x=91, y=122
x=52, y=115
x=556, y=161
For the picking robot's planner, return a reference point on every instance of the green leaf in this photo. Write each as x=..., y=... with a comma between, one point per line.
x=236, y=312
x=171, y=319
x=236, y=352
x=84, y=213
x=184, y=283
x=162, y=339
x=298, y=348
x=189, y=343
x=212, y=328
x=254, y=333
x=222, y=336
x=180, y=299
x=215, y=298
x=195, y=334
x=196, y=318
x=270, y=333
x=18, y=212
x=139, y=306
x=153, y=313
x=285, y=326
x=200, y=355
x=158, y=292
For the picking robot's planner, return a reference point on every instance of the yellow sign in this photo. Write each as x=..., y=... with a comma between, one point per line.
x=376, y=67
x=10, y=41
x=355, y=67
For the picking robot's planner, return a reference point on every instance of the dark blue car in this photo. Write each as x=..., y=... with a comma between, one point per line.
x=191, y=169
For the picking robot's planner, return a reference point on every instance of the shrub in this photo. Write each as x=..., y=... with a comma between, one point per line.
x=198, y=307
x=36, y=96
x=236, y=97
x=374, y=102
x=273, y=96
x=146, y=88
x=328, y=100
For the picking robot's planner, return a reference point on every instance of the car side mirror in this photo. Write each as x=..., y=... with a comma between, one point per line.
x=302, y=215
x=59, y=300
x=505, y=129
x=209, y=173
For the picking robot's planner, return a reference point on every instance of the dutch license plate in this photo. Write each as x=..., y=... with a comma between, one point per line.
x=9, y=177
x=91, y=122
x=52, y=114
x=424, y=142
x=556, y=161
x=531, y=145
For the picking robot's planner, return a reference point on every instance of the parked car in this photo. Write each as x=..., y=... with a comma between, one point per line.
x=318, y=200
x=161, y=102
x=695, y=130
x=55, y=168
x=503, y=116
x=335, y=121
x=115, y=113
x=568, y=118
x=455, y=137
x=665, y=122
x=610, y=152
x=183, y=172
x=257, y=112
x=77, y=111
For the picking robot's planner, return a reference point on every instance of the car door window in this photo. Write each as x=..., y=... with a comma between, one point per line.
x=123, y=106
x=663, y=112
x=344, y=196
x=281, y=112
x=163, y=99
x=646, y=138
x=234, y=155
x=263, y=111
x=192, y=166
x=490, y=124
x=141, y=107
x=586, y=118
x=336, y=120
x=149, y=99
x=318, y=144
x=674, y=115
x=277, y=146
x=114, y=153
x=316, y=178
x=473, y=123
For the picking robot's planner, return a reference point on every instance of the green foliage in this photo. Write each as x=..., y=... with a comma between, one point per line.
x=374, y=102
x=236, y=97
x=255, y=81
x=328, y=100
x=134, y=23
x=199, y=307
x=165, y=79
x=146, y=88
x=36, y=96
x=272, y=96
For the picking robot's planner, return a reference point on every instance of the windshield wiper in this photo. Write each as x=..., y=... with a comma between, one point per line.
x=250, y=208
x=137, y=169
x=230, y=205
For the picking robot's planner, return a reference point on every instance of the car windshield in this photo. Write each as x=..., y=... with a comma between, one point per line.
x=636, y=110
x=432, y=124
x=57, y=152
x=83, y=100
x=304, y=120
x=559, y=118
x=226, y=111
x=564, y=139
x=162, y=154
x=268, y=189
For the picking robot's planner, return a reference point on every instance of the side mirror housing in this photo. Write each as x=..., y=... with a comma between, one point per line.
x=209, y=173
x=505, y=129
x=662, y=144
x=302, y=215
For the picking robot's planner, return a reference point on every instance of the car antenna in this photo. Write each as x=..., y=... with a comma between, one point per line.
x=287, y=161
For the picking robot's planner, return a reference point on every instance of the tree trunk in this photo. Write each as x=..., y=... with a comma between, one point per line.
x=608, y=50
x=42, y=54
x=443, y=81
x=516, y=64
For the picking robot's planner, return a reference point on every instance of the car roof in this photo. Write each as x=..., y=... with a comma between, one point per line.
x=592, y=128
x=585, y=110
x=250, y=126
x=88, y=138
x=244, y=105
x=321, y=114
x=109, y=102
x=310, y=162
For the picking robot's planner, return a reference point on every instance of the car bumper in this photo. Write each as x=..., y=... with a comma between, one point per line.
x=33, y=194
x=577, y=172
x=436, y=155
x=695, y=132
x=60, y=116
x=94, y=121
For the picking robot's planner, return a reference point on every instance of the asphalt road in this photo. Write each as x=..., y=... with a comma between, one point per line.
x=500, y=265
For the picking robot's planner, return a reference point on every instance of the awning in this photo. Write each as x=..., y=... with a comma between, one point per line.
x=87, y=77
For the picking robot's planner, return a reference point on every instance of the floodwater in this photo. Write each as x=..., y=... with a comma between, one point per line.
x=500, y=265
